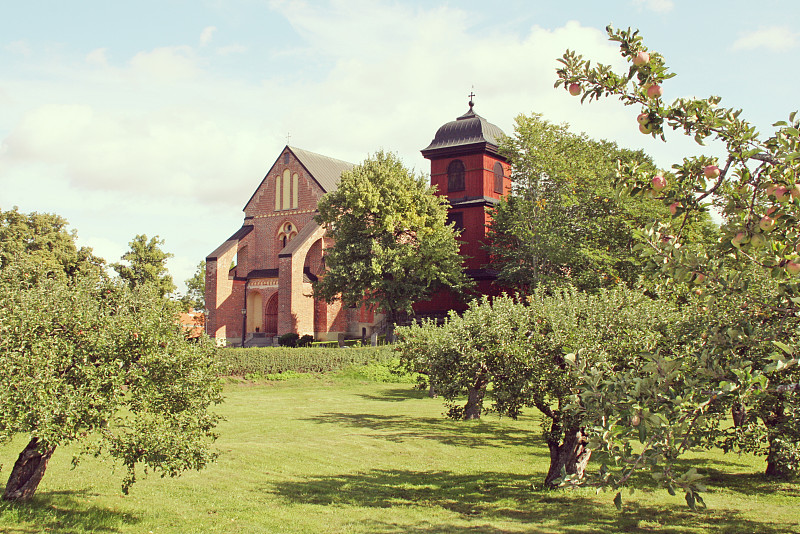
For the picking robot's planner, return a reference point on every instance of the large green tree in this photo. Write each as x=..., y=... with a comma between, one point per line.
x=745, y=358
x=39, y=244
x=563, y=223
x=146, y=265
x=84, y=358
x=392, y=246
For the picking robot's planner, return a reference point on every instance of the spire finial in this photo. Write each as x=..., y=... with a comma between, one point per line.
x=471, y=95
x=288, y=135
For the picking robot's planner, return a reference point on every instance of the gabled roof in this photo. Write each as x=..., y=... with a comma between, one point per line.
x=326, y=171
x=322, y=169
x=232, y=241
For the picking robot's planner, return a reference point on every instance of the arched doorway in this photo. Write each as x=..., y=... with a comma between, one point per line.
x=271, y=316
x=255, y=312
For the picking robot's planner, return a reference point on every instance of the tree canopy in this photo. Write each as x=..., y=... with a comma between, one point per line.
x=195, y=297
x=563, y=223
x=146, y=265
x=392, y=246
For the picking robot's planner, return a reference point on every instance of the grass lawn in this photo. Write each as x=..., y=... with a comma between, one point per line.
x=325, y=455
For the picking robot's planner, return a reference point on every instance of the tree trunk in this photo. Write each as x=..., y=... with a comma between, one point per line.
x=28, y=472
x=474, y=406
x=571, y=456
x=778, y=464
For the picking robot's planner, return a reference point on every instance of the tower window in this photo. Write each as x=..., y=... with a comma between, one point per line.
x=455, y=176
x=498, y=178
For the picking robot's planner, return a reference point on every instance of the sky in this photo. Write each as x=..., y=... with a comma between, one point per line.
x=162, y=117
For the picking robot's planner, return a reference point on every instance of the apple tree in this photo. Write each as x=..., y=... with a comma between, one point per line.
x=526, y=354
x=745, y=291
x=89, y=360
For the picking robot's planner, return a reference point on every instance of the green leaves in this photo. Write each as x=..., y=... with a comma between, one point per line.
x=391, y=245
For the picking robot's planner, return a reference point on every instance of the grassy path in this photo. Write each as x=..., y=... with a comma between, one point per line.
x=333, y=456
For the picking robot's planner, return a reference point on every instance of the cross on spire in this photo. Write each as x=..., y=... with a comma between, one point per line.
x=288, y=135
x=471, y=95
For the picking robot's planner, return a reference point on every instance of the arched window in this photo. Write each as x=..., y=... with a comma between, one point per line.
x=455, y=176
x=286, y=234
x=498, y=178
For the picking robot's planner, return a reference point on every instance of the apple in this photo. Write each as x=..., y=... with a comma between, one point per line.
x=795, y=192
x=654, y=91
x=738, y=239
x=793, y=268
x=659, y=182
x=700, y=278
x=645, y=128
x=797, y=248
x=643, y=118
x=575, y=89
x=711, y=171
x=770, y=189
x=766, y=223
x=757, y=240
x=782, y=194
x=642, y=58
x=635, y=419
x=673, y=208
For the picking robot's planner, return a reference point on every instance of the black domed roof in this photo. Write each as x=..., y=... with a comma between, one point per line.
x=467, y=133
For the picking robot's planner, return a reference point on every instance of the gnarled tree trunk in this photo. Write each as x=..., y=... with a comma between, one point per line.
x=28, y=472
x=572, y=455
x=474, y=406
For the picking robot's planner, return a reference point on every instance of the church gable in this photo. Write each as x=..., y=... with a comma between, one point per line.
x=296, y=181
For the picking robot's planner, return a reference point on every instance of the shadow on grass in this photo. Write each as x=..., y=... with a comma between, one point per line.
x=482, y=500
x=398, y=394
x=401, y=428
x=61, y=511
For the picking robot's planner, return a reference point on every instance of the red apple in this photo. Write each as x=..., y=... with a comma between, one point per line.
x=642, y=58
x=673, y=208
x=711, y=171
x=575, y=89
x=635, y=419
x=700, y=278
x=782, y=193
x=738, y=239
x=792, y=268
x=659, y=182
x=643, y=118
x=766, y=223
x=645, y=128
x=654, y=91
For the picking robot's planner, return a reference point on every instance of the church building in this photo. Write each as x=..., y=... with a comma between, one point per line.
x=258, y=282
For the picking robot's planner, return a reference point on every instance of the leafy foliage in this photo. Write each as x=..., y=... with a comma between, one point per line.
x=745, y=360
x=391, y=244
x=147, y=265
x=195, y=297
x=526, y=355
x=273, y=360
x=563, y=223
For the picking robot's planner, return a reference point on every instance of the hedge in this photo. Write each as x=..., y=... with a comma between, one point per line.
x=272, y=360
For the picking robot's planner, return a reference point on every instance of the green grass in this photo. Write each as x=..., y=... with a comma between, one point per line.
x=343, y=455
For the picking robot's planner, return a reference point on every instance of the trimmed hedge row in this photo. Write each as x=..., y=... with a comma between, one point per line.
x=272, y=360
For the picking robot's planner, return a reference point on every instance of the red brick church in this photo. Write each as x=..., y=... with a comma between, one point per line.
x=258, y=282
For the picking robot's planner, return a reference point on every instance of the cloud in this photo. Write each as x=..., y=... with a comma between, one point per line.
x=19, y=48
x=167, y=64
x=98, y=57
x=207, y=34
x=659, y=6
x=775, y=38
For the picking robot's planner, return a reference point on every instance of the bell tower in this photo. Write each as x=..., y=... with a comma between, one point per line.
x=468, y=169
